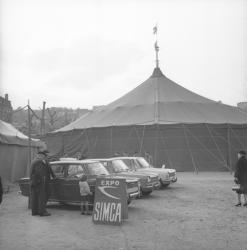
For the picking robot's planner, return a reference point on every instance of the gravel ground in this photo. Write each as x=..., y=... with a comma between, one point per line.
x=197, y=212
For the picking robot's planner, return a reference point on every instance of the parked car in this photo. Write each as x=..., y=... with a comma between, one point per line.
x=139, y=164
x=65, y=187
x=145, y=165
x=117, y=167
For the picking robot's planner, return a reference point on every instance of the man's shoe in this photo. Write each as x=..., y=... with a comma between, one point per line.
x=245, y=205
x=45, y=214
x=238, y=205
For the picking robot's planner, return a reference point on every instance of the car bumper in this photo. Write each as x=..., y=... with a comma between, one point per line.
x=134, y=195
x=147, y=188
x=156, y=185
x=174, y=179
x=165, y=182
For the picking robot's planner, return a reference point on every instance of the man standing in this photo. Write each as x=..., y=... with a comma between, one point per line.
x=40, y=176
x=241, y=177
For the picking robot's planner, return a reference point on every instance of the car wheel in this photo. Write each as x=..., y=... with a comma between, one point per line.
x=165, y=185
x=62, y=203
x=146, y=193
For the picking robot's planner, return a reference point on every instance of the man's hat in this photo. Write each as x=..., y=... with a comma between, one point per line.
x=44, y=152
x=242, y=152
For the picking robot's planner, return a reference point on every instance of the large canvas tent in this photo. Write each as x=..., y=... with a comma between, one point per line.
x=14, y=152
x=163, y=121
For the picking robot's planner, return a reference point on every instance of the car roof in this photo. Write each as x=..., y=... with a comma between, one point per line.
x=71, y=161
x=124, y=157
x=115, y=158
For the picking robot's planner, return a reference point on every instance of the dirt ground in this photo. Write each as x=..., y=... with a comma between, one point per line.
x=197, y=212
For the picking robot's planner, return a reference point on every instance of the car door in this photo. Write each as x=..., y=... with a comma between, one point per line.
x=71, y=191
x=56, y=183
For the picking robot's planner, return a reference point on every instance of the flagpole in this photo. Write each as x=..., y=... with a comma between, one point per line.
x=155, y=31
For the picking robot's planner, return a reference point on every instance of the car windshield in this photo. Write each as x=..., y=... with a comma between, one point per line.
x=143, y=163
x=96, y=168
x=129, y=163
x=108, y=167
x=119, y=166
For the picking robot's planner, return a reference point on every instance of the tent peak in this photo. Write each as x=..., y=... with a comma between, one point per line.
x=157, y=72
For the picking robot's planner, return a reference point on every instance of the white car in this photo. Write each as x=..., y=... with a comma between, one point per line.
x=166, y=176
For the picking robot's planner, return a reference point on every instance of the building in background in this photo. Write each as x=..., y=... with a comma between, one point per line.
x=5, y=109
x=243, y=106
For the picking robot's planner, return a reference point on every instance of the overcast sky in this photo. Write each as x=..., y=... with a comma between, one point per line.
x=75, y=53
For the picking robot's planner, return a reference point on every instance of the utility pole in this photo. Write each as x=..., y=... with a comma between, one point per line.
x=29, y=139
x=42, y=124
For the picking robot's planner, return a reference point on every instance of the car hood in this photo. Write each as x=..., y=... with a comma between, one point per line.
x=128, y=178
x=154, y=170
x=170, y=170
x=135, y=175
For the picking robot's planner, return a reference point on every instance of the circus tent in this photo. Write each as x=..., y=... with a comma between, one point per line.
x=162, y=119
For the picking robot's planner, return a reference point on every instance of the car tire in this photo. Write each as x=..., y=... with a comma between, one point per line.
x=146, y=193
x=165, y=185
x=62, y=203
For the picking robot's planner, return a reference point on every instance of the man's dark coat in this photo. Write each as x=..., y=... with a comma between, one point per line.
x=241, y=171
x=40, y=176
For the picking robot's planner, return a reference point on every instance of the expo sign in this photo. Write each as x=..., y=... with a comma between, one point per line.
x=110, y=203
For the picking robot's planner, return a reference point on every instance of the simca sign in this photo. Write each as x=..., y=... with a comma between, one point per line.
x=110, y=203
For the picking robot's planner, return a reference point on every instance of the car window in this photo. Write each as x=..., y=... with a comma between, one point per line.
x=75, y=170
x=96, y=168
x=119, y=166
x=129, y=164
x=108, y=166
x=142, y=162
x=58, y=170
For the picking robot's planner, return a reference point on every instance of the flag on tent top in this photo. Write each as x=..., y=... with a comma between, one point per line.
x=156, y=46
x=155, y=28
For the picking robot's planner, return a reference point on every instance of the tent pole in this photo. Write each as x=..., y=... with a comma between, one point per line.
x=220, y=153
x=142, y=139
x=111, y=141
x=166, y=148
x=187, y=143
x=229, y=148
x=156, y=144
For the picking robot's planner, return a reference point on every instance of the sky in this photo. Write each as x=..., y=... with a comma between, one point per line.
x=80, y=54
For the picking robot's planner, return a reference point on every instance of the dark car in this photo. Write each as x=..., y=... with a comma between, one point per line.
x=116, y=167
x=65, y=187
